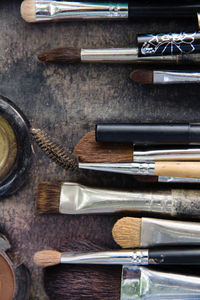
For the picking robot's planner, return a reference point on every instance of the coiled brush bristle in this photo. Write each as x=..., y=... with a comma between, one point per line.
x=53, y=151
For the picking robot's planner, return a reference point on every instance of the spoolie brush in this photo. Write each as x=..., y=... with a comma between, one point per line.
x=53, y=151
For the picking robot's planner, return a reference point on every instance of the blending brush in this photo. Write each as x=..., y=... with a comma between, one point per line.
x=40, y=10
x=164, y=77
x=170, y=48
x=168, y=256
x=73, y=198
x=147, y=232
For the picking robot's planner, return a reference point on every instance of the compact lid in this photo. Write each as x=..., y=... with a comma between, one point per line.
x=7, y=279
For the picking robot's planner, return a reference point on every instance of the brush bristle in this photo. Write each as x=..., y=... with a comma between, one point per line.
x=127, y=232
x=48, y=197
x=61, y=55
x=88, y=150
x=47, y=258
x=142, y=76
x=78, y=282
x=28, y=10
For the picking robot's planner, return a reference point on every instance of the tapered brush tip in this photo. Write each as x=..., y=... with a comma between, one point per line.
x=28, y=10
x=60, y=55
x=142, y=76
x=47, y=258
x=48, y=197
x=127, y=232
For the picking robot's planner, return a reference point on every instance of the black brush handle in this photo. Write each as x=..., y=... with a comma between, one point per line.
x=168, y=44
x=175, y=256
x=163, y=9
x=149, y=134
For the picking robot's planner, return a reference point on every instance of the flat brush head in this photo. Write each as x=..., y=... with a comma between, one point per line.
x=48, y=197
x=77, y=282
x=28, y=10
x=47, y=258
x=127, y=232
x=88, y=150
x=142, y=76
x=61, y=55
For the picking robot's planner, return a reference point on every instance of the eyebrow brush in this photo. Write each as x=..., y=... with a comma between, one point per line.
x=41, y=11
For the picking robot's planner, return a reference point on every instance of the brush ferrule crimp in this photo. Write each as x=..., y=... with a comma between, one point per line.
x=120, y=257
x=162, y=77
x=55, y=10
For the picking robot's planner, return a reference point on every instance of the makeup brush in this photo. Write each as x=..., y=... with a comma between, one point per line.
x=67, y=282
x=164, y=77
x=88, y=150
x=73, y=198
x=169, y=256
x=39, y=10
x=170, y=48
x=147, y=232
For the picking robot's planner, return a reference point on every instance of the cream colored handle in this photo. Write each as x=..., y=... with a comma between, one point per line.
x=178, y=169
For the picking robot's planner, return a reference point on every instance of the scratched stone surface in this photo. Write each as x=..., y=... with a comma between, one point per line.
x=67, y=101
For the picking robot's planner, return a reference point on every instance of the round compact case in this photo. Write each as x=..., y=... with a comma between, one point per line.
x=14, y=281
x=15, y=147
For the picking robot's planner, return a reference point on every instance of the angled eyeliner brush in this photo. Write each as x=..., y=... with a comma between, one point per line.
x=40, y=10
x=164, y=77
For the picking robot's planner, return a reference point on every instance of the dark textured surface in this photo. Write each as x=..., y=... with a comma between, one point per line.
x=67, y=101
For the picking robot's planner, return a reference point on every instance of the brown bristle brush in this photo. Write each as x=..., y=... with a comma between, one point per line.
x=61, y=55
x=88, y=150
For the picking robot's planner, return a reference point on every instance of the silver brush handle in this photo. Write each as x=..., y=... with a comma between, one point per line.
x=155, y=232
x=121, y=257
x=143, y=283
x=167, y=154
x=170, y=77
x=71, y=10
x=80, y=199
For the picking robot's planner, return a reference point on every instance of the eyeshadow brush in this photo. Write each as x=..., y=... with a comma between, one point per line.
x=168, y=256
x=164, y=77
x=73, y=198
x=40, y=10
x=148, y=232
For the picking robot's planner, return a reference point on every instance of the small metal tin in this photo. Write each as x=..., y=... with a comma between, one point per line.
x=14, y=177
x=14, y=280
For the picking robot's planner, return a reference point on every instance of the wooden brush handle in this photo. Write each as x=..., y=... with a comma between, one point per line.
x=178, y=169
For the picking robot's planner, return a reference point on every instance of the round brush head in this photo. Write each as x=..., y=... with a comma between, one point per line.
x=28, y=11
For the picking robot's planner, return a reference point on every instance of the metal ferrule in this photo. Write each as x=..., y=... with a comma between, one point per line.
x=120, y=257
x=80, y=199
x=167, y=154
x=156, y=232
x=135, y=168
x=71, y=10
x=178, y=179
x=123, y=55
x=167, y=77
x=144, y=283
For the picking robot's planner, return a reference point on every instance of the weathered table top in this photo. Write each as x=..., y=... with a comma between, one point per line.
x=67, y=101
